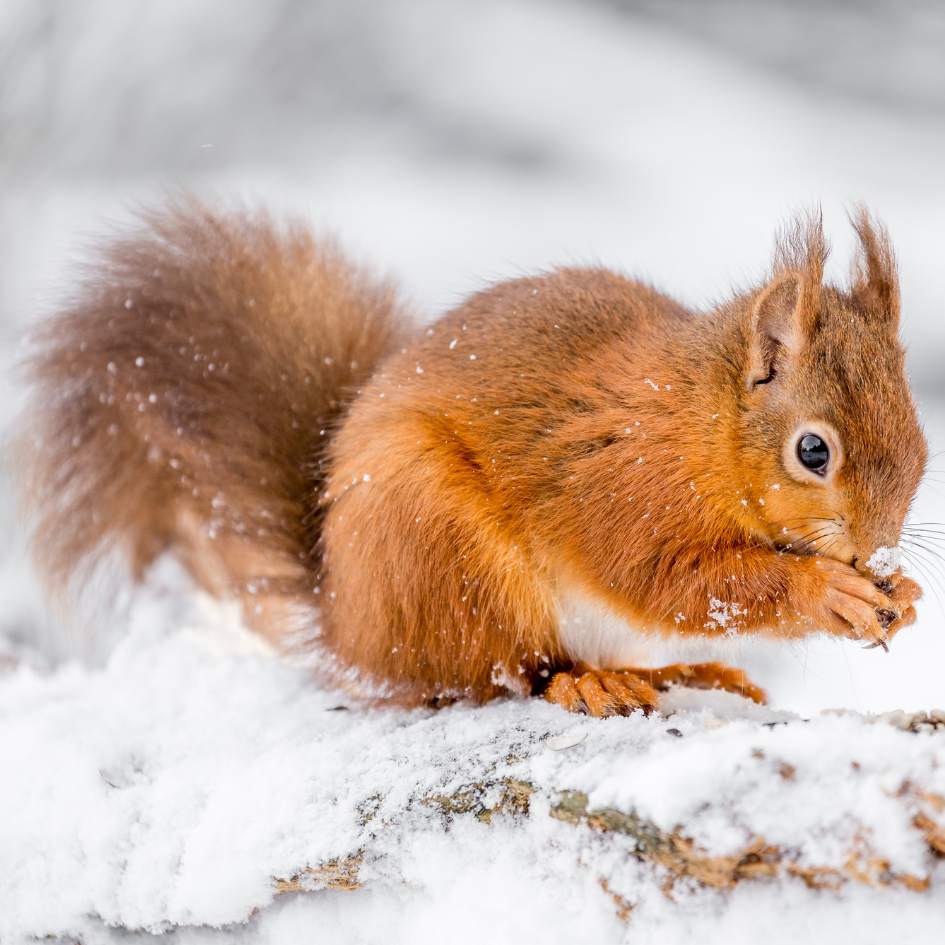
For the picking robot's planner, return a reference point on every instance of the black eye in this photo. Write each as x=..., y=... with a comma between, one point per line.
x=813, y=453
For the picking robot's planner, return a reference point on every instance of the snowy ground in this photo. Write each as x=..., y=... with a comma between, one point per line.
x=198, y=783
x=179, y=779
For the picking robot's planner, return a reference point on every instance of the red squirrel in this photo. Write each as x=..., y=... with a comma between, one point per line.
x=429, y=499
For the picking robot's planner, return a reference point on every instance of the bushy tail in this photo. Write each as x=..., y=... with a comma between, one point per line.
x=184, y=397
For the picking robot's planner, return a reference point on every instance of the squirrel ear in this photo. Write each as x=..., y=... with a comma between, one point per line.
x=779, y=323
x=785, y=312
x=875, y=281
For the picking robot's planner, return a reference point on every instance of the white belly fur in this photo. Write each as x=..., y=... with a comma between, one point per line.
x=590, y=632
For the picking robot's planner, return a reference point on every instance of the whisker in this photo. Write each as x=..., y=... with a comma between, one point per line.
x=926, y=534
x=919, y=541
x=820, y=530
x=811, y=538
x=810, y=518
x=808, y=536
x=923, y=542
x=923, y=532
x=927, y=573
x=795, y=523
x=934, y=552
x=926, y=581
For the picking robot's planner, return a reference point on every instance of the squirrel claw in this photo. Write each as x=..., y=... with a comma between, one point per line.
x=601, y=693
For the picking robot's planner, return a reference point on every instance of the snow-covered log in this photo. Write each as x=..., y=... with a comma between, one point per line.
x=192, y=786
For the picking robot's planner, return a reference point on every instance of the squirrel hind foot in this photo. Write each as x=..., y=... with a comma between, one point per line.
x=603, y=693
x=703, y=676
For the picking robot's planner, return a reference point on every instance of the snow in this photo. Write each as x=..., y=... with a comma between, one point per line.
x=175, y=785
x=721, y=614
x=885, y=561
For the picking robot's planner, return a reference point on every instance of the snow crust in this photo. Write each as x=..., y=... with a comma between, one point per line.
x=170, y=789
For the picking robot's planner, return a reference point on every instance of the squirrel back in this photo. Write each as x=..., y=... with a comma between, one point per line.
x=184, y=395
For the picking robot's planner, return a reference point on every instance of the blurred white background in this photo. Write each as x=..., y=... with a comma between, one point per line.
x=454, y=143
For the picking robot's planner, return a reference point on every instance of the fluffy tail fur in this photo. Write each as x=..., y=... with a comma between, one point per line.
x=184, y=397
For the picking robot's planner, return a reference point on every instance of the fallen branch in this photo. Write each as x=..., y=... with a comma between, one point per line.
x=674, y=857
x=179, y=787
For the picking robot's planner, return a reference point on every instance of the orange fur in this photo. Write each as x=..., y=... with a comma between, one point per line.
x=574, y=429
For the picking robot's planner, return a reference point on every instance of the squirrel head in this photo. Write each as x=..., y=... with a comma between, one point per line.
x=829, y=440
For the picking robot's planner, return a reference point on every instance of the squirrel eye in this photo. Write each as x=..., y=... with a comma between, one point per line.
x=813, y=453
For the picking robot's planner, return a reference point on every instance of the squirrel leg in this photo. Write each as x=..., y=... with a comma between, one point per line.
x=439, y=599
x=753, y=589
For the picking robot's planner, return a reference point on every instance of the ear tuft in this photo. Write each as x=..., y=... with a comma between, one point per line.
x=875, y=278
x=802, y=248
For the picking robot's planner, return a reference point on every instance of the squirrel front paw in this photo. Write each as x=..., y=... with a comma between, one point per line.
x=904, y=592
x=850, y=604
